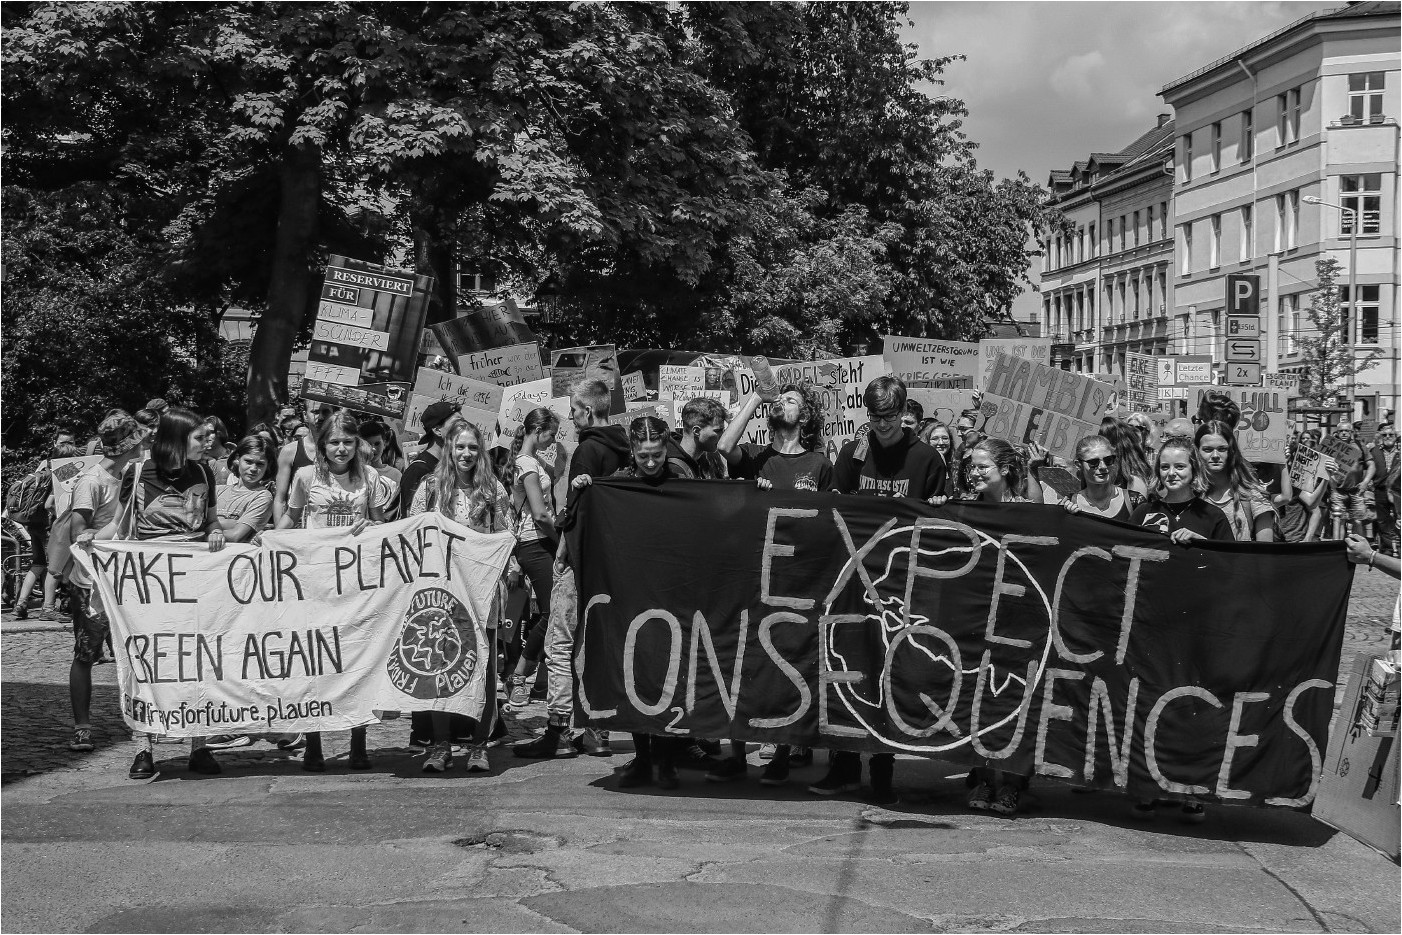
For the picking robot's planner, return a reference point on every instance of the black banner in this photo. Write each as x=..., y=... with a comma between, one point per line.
x=1023, y=637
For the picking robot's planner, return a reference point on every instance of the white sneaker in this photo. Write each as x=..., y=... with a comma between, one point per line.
x=477, y=761
x=766, y=751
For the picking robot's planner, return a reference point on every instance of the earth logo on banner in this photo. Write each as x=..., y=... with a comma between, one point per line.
x=437, y=649
x=990, y=694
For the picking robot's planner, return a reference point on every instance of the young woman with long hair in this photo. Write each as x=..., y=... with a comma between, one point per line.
x=1132, y=468
x=1232, y=485
x=337, y=490
x=1175, y=506
x=1099, y=494
x=465, y=489
x=171, y=496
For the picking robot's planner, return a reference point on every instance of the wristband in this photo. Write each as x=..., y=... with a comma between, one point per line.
x=1372, y=555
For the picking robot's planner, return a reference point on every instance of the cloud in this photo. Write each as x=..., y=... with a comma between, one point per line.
x=1073, y=78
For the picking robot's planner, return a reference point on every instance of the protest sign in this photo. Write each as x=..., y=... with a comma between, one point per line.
x=366, y=337
x=504, y=366
x=570, y=365
x=840, y=383
x=679, y=382
x=484, y=419
x=1306, y=469
x=1193, y=369
x=1287, y=383
x=464, y=391
x=1168, y=373
x=944, y=405
x=928, y=362
x=1037, y=350
x=494, y=326
x=518, y=401
x=1011, y=634
x=1263, y=430
x=664, y=409
x=569, y=432
x=634, y=386
x=65, y=472
x=1024, y=401
x=1345, y=454
x=313, y=630
x=1141, y=381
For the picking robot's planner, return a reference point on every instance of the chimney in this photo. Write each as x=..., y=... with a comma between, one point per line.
x=1164, y=118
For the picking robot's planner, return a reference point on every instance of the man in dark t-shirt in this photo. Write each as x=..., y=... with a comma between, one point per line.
x=793, y=459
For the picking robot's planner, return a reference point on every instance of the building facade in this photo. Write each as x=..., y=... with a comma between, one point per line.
x=1308, y=112
x=1107, y=276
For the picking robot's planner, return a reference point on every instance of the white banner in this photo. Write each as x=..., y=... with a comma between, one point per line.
x=929, y=362
x=313, y=630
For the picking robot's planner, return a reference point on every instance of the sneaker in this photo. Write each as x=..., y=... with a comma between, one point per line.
x=766, y=751
x=143, y=767
x=553, y=743
x=46, y=613
x=228, y=741
x=980, y=797
x=440, y=759
x=801, y=756
x=727, y=770
x=636, y=774
x=1144, y=811
x=477, y=759
x=776, y=773
x=592, y=742
x=667, y=777
x=1193, y=813
x=836, y=782
x=1007, y=799
x=518, y=693
x=696, y=756
x=22, y=613
x=424, y=742
x=82, y=740
x=291, y=742
x=202, y=761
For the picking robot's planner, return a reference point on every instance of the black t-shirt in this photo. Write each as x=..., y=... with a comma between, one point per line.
x=807, y=470
x=909, y=468
x=1196, y=514
x=423, y=464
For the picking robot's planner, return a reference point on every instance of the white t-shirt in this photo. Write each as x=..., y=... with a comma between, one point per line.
x=341, y=502
x=526, y=529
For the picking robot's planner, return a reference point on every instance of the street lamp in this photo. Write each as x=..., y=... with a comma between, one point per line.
x=1352, y=215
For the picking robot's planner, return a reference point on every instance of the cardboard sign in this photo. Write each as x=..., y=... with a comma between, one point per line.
x=929, y=362
x=675, y=382
x=504, y=366
x=570, y=365
x=518, y=401
x=1263, y=431
x=1037, y=350
x=1141, y=381
x=1024, y=401
x=1307, y=469
x=465, y=391
x=1193, y=370
x=840, y=380
x=484, y=419
x=484, y=329
x=662, y=409
x=634, y=386
x=1346, y=454
x=944, y=405
x=366, y=338
x=569, y=433
x=1288, y=383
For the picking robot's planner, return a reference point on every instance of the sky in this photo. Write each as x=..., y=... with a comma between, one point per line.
x=1048, y=83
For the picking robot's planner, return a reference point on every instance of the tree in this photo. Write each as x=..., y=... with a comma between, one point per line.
x=1328, y=360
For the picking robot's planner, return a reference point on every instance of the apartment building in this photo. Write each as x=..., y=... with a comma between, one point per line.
x=1308, y=112
x=1107, y=276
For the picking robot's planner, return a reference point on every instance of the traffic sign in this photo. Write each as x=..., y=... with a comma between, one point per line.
x=1243, y=294
x=1240, y=326
x=1243, y=374
x=1241, y=350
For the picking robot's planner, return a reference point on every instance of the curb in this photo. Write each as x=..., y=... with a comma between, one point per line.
x=25, y=626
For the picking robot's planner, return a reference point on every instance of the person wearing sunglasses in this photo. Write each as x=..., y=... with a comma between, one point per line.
x=1100, y=495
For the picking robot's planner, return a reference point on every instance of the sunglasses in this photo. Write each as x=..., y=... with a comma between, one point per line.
x=1108, y=461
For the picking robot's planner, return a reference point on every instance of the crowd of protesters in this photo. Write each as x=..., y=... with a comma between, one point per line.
x=166, y=473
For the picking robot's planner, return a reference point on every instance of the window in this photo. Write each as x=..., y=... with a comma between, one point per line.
x=1288, y=117
x=1136, y=228
x=1090, y=237
x=1109, y=307
x=1090, y=308
x=1081, y=309
x=1163, y=220
x=1080, y=245
x=1248, y=246
x=1110, y=235
x=1287, y=322
x=1368, y=307
x=1214, y=243
x=1187, y=230
x=1124, y=232
x=1217, y=147
x=1361, y=194
x=1134, y=287
x=1248, y=137
x=1287, y=220
x=1124, y=299
x=1365, y=97
x=1187, y=157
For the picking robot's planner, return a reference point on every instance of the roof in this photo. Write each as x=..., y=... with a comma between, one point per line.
x=1348, y=11
x=1124, y=161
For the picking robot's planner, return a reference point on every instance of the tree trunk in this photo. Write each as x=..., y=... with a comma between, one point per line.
x=433, y=255
x=289, y=285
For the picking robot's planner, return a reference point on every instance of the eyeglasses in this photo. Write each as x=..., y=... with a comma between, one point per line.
x=1108, y=461
x=890, y=418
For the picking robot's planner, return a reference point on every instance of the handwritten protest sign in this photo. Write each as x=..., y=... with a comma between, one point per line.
x=570, y=365
x=1037, y=350
x=464, y=391
x=1307, y=469
x=569, y=433
x=1141, y=381
x=66, y=472
x=365, y=341
x=313, y=630
x=1017, y=634
x=664, y=409
x=929, y=362
x=1263, y=431
x=497, y=325
x=1345, y=454
x=679, y=382
x=504, y=366
x=518, y=401
x=1024, y=401
x=634, y=386
x=1288, y=383
x=839, y=382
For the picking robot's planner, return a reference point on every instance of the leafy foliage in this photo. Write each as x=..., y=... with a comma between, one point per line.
x=1328, y=360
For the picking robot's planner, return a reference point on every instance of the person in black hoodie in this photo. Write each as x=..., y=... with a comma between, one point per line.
x=889, y=461
x=695, y=455
x=603, y=449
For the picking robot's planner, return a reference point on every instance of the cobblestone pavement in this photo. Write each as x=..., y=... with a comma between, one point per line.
x=37, y=719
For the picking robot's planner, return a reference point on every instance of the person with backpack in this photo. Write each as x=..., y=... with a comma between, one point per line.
x=30, y=502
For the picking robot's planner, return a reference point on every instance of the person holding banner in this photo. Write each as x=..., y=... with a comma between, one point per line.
x=1100, y=495
x=1175, y=507
x=298, y=453
x=1132, y=470
x=171, y=496
x=1232, y=486
x=466, y=490
x=337, y=490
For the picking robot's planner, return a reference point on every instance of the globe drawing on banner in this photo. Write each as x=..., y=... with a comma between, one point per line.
x=989, y=688
x=437, y=648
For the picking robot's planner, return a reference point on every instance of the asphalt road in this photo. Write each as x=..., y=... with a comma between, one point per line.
x=555, y=847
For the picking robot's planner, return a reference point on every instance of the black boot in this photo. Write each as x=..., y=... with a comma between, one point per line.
x=882, y=768
x=554, y=742
x=312, y=760
x=639, y=771
x=359, y=757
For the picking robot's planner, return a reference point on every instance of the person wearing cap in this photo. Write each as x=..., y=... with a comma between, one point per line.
x=158, y=406
x=437, y=419
x=95, y=504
